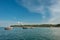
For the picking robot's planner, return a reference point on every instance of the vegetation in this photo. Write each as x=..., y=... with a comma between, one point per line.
x=41, y=25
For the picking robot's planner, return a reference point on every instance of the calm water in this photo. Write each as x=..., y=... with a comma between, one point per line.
x=30, y=34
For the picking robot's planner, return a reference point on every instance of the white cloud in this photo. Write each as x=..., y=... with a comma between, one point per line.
x=55, y=12
x=38, y=6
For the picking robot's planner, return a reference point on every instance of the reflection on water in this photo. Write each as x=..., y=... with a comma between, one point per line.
x=30, y=34
x=56, y=33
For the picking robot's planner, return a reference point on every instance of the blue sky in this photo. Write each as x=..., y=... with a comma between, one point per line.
x=27, y=11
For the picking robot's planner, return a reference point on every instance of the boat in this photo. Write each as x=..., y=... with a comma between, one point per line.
x=24, y=27
x=8, y=28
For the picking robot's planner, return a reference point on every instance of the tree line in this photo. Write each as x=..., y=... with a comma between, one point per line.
x=36, y=25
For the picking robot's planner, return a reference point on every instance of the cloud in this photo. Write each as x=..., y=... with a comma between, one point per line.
x=55, y=12
x=39, y=6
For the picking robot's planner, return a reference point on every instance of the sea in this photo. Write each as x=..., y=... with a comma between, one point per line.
x=37, y=33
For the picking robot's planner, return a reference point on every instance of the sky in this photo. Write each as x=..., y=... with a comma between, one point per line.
x=29, y=12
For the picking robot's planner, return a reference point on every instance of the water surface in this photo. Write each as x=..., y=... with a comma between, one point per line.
x=29, y=34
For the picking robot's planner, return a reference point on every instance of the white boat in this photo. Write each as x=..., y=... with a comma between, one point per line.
x=8, y=28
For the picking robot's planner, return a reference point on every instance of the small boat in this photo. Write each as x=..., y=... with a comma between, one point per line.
x=8, y=28
x=24, y=28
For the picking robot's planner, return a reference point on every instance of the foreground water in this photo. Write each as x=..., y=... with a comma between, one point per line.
x=30, y=34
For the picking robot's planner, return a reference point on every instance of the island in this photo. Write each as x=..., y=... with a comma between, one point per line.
x=37, y=25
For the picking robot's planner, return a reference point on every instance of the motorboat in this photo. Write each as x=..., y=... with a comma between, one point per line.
x=8, y=28
x=24, y=27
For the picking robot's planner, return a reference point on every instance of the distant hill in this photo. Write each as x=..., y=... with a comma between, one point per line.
x=36, y=25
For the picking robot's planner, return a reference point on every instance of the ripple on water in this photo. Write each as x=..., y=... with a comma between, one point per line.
x=26, y=34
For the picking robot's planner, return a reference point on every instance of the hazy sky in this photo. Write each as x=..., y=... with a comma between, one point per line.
x=29, y=11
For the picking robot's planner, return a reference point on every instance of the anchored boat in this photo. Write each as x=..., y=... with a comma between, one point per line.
x=8, y=28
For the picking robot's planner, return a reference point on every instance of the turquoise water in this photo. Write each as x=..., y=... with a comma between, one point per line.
x=27, y=34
